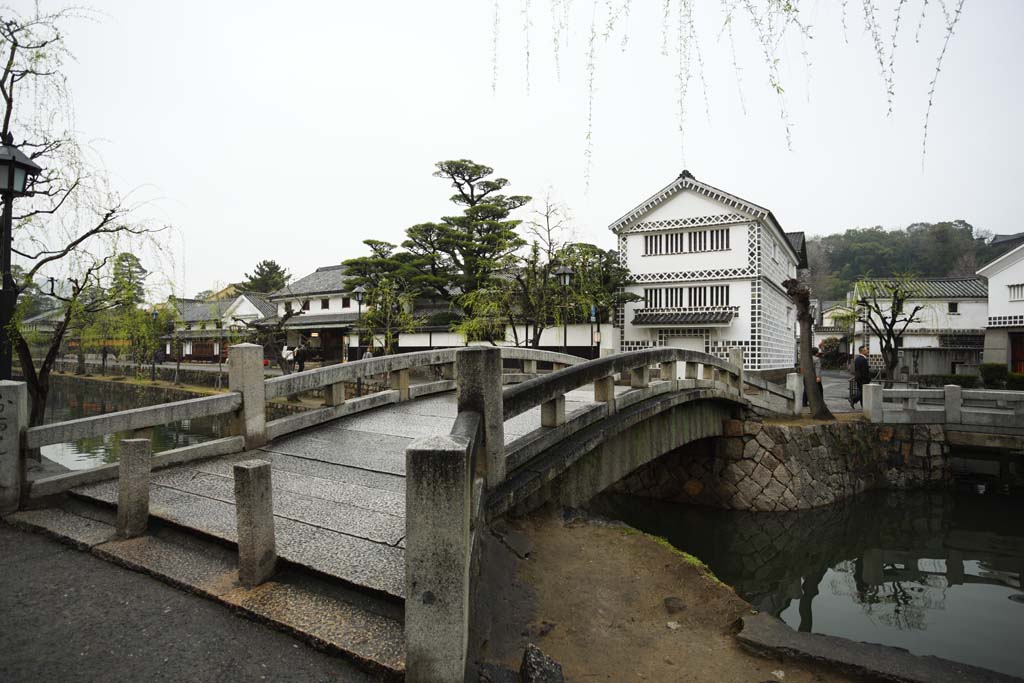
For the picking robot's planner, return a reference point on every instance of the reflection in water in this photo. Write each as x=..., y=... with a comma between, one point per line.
x=934, y=573
x=68, y=401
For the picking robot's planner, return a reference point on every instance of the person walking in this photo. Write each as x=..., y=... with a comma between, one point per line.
x=861, y=376
x=300, y=357
x=816, y=360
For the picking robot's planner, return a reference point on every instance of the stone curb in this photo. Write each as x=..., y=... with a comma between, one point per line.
x=763, y=634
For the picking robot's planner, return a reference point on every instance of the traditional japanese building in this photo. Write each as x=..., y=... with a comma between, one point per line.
x=1004, y=327
x=325, y=310
x=709, y=268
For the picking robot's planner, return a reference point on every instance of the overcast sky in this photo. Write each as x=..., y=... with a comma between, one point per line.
x=293, y=131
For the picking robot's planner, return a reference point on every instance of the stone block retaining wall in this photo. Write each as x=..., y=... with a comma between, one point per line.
x=777, y=467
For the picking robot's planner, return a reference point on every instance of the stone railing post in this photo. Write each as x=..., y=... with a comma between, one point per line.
x=690, y=371
x=530, y=367
x=133, y=487
x=438, y=494
x=953, y=395
x=604, y=392
x=640, y=378
x=552, y=413
x=668, y=372
x=448, y=371
x=478, y=389
x=872, y=401
x=334, y=394
x=13, y=422
x=245, y=375
x=795, y=383
x=707, y=371
x=399, y=381
x=736, y=358
x=254, y=510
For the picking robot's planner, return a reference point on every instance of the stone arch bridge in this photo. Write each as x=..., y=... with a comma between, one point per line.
x=382, y=494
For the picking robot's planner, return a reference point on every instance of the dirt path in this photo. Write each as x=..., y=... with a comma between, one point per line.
x=612, y=604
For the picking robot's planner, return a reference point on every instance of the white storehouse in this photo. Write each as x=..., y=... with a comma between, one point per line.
x=203, y=330
x=1004, y=333
x=709, y=267
x=948, y=334
x=325, y=313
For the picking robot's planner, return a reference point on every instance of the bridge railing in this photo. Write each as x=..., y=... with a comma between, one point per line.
x=950, y=405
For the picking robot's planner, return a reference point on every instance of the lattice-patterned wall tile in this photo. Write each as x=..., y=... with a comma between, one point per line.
x=691, y=222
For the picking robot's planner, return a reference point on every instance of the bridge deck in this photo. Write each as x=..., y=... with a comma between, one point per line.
x=339, y=489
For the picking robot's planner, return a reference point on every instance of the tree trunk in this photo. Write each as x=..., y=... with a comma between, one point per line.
x=801, y=297
x=80, y=368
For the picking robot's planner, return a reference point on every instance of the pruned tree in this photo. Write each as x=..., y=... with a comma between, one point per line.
x=266, y=278
x=881, y=304
x=801, y=297
x=389, y=313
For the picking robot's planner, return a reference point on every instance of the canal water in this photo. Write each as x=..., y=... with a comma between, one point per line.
x=70, y=400
x=935, y=573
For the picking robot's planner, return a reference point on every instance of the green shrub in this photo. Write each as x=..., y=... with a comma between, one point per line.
x=1015, y=381
x=831, y=357
x=993, y=374
x=965, y=381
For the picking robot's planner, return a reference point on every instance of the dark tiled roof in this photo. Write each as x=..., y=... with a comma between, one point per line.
x=321, y=281
x=1006, y=239
x=195, y=311
x=262, y=303
x=696, y=318
x=799, y=244
x=312, y=321
x=941, y=287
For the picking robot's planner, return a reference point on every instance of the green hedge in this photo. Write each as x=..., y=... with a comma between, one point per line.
x=965, y=381
x=994, y=375
x=1015, y=381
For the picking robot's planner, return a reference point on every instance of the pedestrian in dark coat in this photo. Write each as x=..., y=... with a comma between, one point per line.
x=861, y=375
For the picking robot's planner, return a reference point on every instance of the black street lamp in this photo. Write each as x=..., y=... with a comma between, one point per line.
x=359, y=292
x=564, y=274
x=16, y=168
x=156, y=340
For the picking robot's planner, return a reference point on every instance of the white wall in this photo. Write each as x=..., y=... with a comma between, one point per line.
x=733, y=257
x=999, y=304
x=335, y=305
x=973, y=314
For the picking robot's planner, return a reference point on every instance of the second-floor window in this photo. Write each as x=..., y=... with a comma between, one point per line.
x=686, y=297
x=287, y=306
x=346, y=302
x=305, y=305
x=1016, y=292
x=685, y=242
x=954, y=307
x=325, y=304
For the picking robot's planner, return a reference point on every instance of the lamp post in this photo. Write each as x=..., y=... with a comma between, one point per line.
x=152, y=372
x=16, y=168
x=565, y=275
x=359, y=292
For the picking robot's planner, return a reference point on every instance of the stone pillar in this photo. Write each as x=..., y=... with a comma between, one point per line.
x=736, y=358
x=399, y=380
x=873, y=402
x=691, y=370
x=552, y=413
x=13, y=422
x=555, y=367
x=438, y=495
x=954, y=402
x=530, y=367
x=133, y=487
x=604, y=392
x=667, y=371
x=640, y=378
x=795, y=383
x=254, y=510
x=334, y=394
x=707, y=371
x=478, y=369
x=245, y=375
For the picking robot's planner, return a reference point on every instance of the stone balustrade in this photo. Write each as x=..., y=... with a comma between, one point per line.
x=950, y=405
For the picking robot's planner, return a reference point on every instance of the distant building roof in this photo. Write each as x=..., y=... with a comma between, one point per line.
x=1005, y=261
x=312, y=322
x=192, y=310
x=799, y=244
x=324, y=280
x=1007, y=239
x=697, y=318
x=262, y=303
x=943, y=287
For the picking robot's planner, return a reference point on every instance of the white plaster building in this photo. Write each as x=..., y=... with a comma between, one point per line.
x=1004, y=333
x=950, y=331
x=329, y=313
x=204, y=330
x=709, y=267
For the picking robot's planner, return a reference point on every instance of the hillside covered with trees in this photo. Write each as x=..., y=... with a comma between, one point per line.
x=945, y=249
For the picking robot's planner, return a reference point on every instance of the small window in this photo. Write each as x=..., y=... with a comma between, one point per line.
x=287, y=306
x=325, y=304
x=345, y=302
x=1016, y=292
x=305, y=305
x=954, y=307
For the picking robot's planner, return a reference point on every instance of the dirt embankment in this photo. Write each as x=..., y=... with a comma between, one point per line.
x=612, y=604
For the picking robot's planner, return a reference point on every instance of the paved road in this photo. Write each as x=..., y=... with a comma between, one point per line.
x=837, y=390
x=68, y=616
